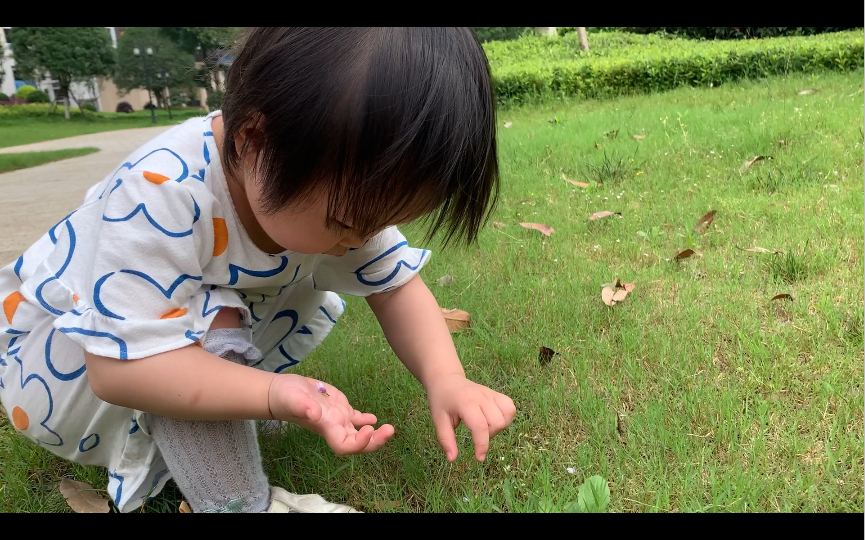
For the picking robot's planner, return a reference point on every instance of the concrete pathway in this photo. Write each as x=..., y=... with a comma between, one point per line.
x=34, y=199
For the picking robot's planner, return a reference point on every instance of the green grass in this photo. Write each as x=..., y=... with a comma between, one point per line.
x=15, y=131
x=728, y=401
x=24, y=160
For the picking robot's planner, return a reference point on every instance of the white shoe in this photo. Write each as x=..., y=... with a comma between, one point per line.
x=283, y=502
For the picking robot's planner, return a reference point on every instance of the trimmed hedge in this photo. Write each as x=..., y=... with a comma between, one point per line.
x=620, y=63
x=717, y=32
x=738, y=32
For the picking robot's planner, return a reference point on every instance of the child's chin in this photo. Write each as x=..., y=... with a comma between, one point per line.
x=336, y=251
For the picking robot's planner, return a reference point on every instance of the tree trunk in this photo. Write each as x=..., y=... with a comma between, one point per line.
x=545, y=30
x=584, y=41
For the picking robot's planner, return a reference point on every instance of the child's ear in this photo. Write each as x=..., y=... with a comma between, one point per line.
x=249, y=141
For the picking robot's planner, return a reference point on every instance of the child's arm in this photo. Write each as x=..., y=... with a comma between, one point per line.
x=194, y=384
x=413, y=325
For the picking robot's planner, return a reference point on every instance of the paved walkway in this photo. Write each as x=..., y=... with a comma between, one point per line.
x=34, y=199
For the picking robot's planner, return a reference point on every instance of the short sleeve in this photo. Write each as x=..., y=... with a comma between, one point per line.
x=124, y=279
x=384, y=263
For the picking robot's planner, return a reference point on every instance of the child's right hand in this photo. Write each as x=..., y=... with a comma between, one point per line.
x=295, y=399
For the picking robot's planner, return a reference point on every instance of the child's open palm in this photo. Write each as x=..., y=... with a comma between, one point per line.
x=296, y=399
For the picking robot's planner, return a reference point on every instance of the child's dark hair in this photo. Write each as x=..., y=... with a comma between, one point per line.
x=390, y=122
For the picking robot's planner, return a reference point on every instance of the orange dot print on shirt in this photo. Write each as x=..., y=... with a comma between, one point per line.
x=174, y=313
x=220, y=236
x=20, y=419
x=155, y=178
x=75, y=298
x=10, y=304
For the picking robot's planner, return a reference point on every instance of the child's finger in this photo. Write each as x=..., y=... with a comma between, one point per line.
x=446, y=435
x=352, y=443
x=495, y=419
x=379, y=438
x=477, y=423
x=359, y=419
x=506, y=405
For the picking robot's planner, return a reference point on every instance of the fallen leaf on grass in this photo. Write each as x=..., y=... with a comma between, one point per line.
x=498, y=225
x=597, y=146
x=758, y=249
x=704, y=222
x=614, y=293
x=574, y=182
x=782, y=296
x=457, y=319
x=386, y=505
x=602, y=215
x=82, y=498
x=638, y=137
x=546, y=230
x=807, y=91
x=508, y=124
x=545, y=355
x=184, y=508
x=611, y=134
x=687, y=253
x=446, y=280
x=747, y=165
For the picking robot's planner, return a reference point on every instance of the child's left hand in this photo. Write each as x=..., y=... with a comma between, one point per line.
x=485, y=412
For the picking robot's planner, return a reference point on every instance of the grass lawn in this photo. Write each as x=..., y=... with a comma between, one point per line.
x=12, y=162
x=31, y=129
x=726, y=400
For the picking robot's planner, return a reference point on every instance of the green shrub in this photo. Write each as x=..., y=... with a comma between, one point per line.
x=621, y=63
x=500, y=33
x=87, y=106
x=214, y=99
x=37, y=96
x=3, y=97
x=738, y=32
x=24, y=91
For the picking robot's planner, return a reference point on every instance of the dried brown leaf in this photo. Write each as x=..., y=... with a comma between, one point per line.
x=445, y=280
x=546, y=230
x=184, y=508
x=808, y=91
x=620, y=295
x=782, y=296
x=607, y=296
x=508, y=124
x=387, y=505
x=457, y=319
x=545, y=355
x=704, y=222
x=747, y=165
x=498, y=225
x=597, y=146
x=686, y=253
x=758, y=249
x=638, y=137
x=628, y=286
x=82, y=498
x=603, y=214
x=579, y=184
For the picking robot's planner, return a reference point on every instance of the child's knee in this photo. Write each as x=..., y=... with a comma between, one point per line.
x=226, y=318
x=228, y=340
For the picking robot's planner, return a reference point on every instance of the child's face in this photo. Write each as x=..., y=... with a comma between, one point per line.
x=307, y=229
